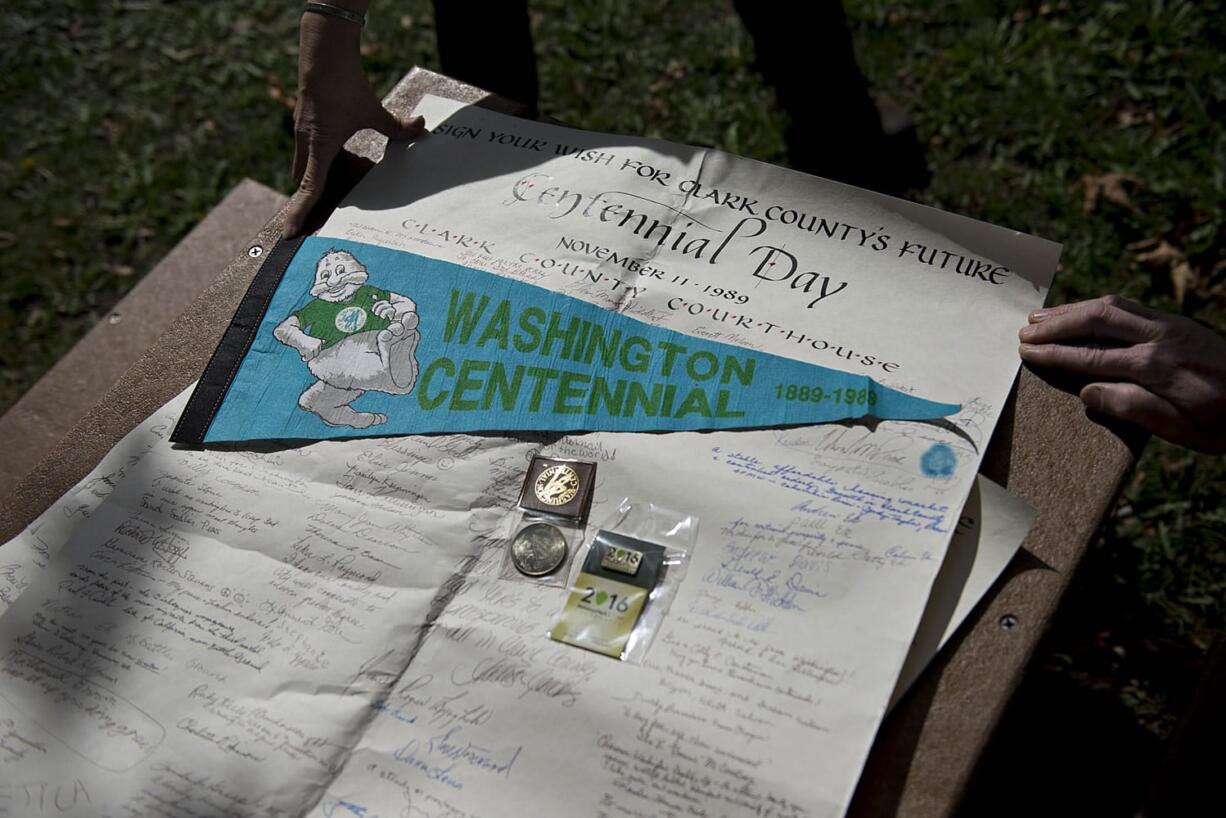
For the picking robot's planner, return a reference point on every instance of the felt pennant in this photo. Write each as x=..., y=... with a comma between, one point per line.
x=359, y=340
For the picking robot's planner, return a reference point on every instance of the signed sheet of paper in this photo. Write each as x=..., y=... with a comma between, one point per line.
x=988, y=534
x=774, y=672
x=320, y=630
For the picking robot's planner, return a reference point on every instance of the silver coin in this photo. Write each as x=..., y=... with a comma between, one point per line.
x=538, y=550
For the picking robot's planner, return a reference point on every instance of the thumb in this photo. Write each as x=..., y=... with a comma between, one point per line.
x=395, y=128
x=309, y=190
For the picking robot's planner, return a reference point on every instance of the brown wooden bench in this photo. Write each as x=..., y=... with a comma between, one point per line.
x=1045, y=450
x=49, y=410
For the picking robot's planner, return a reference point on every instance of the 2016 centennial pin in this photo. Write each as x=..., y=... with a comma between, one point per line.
x=609, y=594
x=622, y=560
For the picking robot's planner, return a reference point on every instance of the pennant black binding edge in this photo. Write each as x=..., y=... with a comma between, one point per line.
x=215, y=381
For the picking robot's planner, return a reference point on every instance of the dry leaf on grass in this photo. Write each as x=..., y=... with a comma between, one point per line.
x=1183, y=278
x=1110, y=186
x=1160, y=254
x=1127, y=117
x=1217, y=281
x=277, y=93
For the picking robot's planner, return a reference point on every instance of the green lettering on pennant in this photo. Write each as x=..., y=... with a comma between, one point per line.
x=461, y=316
x=542, y=376
x=555, y=333
x=600, y=393
x=530, y=321
x=637, y=396
x=423, y=386
x=608, y=349
x=707, y=371
x=497, y=386
x=640, y=362
x=567, y=392
x=465, y=384
x=742, y=370
x=721, y=405
x=695, y=403
x=671, y=351
x=463, y=388
x=670, y=393
x=576, y=349
x=499, y=326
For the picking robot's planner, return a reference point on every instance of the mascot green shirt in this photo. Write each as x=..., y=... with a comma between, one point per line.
x=332, y=321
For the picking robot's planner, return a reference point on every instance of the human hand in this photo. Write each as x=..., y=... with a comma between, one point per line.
x=334, y=101
x=1163, y=372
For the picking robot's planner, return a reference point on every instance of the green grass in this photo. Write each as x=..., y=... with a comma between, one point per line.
x=1017, y=107
x=124, y=122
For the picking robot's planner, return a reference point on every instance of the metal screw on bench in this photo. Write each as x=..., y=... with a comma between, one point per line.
x=1008, y=622
x=255, y=251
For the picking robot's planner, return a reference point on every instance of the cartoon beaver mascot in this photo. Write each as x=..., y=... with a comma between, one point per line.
x=354, y=338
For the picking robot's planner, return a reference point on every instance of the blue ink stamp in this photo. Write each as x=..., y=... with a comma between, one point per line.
x=938, y=461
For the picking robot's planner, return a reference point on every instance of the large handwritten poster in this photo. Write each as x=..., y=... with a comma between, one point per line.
x=321, y=630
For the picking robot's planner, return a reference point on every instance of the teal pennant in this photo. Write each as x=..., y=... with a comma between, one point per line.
x=363, y=340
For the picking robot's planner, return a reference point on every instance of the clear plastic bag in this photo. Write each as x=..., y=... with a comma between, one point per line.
x=541, y=535
x=623, y=581
x=539, y=548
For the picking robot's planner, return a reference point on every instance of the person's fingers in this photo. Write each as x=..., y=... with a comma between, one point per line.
x=1112, y=299
x=1098, y=362
x=302, y=149
x=1135, y=404
x=393, y=127
x=1104, y=318
x=310, y=189
x=1132, y=306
